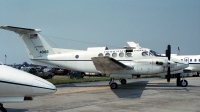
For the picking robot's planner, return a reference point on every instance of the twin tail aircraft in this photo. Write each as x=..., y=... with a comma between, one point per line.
x=116, y=63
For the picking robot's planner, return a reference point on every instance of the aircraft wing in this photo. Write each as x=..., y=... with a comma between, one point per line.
x=109, y=64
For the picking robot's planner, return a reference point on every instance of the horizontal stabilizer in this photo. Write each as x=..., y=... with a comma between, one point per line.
x=19, y=29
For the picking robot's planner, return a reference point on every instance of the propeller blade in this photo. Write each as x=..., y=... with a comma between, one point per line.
x=169, y=52
x=168, y=74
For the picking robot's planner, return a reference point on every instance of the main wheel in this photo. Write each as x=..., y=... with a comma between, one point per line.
x=113, y=85
x=123, y=81
x=183, y=83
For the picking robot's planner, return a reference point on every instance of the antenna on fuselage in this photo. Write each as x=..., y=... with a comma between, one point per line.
x=178, y=51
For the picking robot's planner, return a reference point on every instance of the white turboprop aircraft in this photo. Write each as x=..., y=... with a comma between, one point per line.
x=192, y=60
x=17, y=86
x=117, y=63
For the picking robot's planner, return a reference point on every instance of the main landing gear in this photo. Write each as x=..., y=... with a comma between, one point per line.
x=182, y=82
x=114, y=85
x=2, y=109
x=123, y=81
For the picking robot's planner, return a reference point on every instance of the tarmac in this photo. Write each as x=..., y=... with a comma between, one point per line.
x=138, y=95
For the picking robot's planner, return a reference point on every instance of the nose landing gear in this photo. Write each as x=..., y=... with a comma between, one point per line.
x=183, y=82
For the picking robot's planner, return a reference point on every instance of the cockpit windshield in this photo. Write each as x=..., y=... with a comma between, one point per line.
x=153, y=53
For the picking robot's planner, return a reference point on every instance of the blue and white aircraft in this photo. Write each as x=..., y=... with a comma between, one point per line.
x=192, y=60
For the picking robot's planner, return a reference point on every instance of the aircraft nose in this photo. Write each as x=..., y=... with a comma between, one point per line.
x=42, y=87
x=180, y=63
x=184, y=64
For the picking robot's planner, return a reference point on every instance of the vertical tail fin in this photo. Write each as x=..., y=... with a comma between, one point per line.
x=34, y=43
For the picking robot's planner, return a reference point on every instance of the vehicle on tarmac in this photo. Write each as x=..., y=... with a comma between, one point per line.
x=49, y=69
x=94, y=74
x=48, y=75
x=38, y=72
x=60, y=71
x=31, y=70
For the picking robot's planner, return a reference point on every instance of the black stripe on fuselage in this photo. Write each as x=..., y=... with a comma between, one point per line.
x=194, y=63
x=73, y=60
x=25, y=85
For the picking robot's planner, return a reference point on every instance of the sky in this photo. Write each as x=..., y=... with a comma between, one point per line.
x=79, y=24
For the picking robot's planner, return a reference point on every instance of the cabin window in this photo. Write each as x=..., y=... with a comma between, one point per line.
x=77, y=56
x=199, y=60
x=107, y=54
x=121, y=54
x=195, y=60
x=190, y=60
x=128, y=54
x=100, y=55
x=185, y=60
x=181, y=59
x=114, y=55
x=145, y=53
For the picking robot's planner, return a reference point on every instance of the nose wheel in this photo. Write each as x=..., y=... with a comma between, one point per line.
x=183, y=82
x=2, y=109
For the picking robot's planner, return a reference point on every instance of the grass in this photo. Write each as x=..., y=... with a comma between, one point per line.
x=59, y=79
x=65, y=80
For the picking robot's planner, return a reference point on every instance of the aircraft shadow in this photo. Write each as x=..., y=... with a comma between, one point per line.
x=135, y=89
x=131, y=90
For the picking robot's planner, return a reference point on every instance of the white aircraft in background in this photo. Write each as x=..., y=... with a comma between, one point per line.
x=17, y=86
x=192, y=60
x=117, y=63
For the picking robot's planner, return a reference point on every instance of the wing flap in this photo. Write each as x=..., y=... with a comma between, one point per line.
x=104, y=64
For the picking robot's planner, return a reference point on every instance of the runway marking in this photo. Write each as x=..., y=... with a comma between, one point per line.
x=82, y=90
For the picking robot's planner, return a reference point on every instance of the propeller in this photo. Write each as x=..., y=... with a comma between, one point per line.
x=168, y=54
